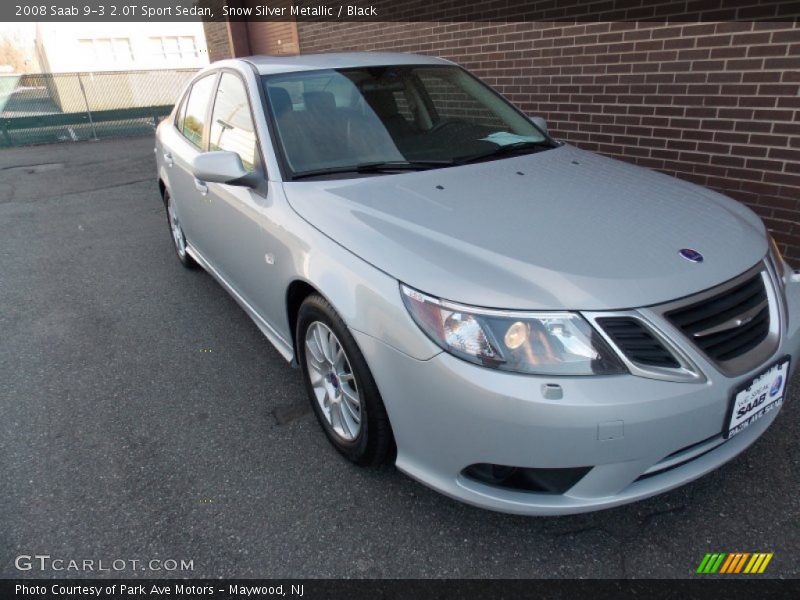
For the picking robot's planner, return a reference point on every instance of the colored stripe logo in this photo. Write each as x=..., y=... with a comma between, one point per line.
x=734, y=563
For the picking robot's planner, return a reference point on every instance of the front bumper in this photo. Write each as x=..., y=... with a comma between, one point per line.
x=640, y=436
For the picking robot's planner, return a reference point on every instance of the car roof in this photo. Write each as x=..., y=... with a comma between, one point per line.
x=267, y=65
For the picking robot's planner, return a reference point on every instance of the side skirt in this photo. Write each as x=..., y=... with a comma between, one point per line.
x=285, y=348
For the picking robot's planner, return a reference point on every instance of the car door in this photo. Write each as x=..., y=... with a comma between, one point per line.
x=238, y=244
x=189, y=139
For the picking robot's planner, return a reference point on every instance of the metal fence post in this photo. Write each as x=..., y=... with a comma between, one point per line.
x=86, y=102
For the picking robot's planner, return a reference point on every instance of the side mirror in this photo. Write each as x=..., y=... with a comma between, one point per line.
x=540, y=123
x=223, y=167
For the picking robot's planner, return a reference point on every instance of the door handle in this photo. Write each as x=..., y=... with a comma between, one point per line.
x=168, y=159
x=201, y=186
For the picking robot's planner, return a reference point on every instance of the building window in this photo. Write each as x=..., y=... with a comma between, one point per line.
x=106, y=50
x=173, y=47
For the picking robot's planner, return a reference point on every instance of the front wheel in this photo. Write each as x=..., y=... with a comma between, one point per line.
x=340, y=387
x=178, y=237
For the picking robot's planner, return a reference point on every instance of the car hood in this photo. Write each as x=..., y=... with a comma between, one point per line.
x=563, y=228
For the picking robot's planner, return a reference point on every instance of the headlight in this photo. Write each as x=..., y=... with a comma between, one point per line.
x=540, y=343
x=776, y=258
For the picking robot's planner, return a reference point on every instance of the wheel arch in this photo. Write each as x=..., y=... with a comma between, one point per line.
x=296, y=292
x=162, y=188
x=366, y=299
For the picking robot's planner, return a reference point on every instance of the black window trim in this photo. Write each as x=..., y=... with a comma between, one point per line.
x=179, y=108
x=272, y=130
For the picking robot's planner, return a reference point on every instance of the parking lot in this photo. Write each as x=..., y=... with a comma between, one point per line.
x=143, y=416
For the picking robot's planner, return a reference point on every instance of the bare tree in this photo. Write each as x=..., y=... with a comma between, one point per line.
x=13, y=54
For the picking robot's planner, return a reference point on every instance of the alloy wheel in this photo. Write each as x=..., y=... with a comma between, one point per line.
x=333, y=382
x=177, y=232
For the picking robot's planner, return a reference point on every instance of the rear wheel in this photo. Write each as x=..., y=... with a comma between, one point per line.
x=178, y=237
x=340, y=387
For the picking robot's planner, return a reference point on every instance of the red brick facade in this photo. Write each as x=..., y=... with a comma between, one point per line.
x=717, y=103
x=714, y=103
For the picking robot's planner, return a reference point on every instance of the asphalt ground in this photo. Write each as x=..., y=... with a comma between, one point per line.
x=143, y=416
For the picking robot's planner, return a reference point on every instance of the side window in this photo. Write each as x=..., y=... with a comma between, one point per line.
x=196, y=106
x=231, y=122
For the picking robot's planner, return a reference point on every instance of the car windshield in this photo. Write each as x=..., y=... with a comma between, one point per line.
x=376, y=119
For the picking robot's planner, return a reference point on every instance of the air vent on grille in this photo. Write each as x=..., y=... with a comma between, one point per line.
x=637, y=343
x=729, y=324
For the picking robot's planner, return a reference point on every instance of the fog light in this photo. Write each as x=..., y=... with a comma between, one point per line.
x=549, y=481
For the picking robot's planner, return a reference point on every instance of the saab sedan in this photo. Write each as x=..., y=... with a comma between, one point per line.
x=517, y=323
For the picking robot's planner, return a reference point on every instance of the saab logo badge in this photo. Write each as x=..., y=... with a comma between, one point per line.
x=776, y=386
x=735, y=563
x=691, y=255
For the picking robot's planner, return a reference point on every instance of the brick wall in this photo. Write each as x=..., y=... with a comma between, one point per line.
x=275, y=38
x=714, y=103
x=217, y=40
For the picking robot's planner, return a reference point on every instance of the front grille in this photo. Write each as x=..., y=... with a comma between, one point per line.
x=728, y=324
x=637, y=343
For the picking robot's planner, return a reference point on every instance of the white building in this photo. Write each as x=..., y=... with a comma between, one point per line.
x=93, y=47
x=121, y=65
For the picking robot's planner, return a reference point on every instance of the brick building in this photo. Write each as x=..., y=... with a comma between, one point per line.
x=715, y=102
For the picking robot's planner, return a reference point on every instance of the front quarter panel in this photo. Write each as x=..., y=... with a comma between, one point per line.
x=367, y=299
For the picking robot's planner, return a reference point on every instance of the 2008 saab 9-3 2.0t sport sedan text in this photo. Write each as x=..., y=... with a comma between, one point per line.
x=520, y=324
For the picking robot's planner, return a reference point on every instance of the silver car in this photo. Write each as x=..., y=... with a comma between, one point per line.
x=516, y=323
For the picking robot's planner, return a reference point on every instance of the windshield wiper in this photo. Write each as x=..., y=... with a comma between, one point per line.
x=377, y=167
x=504, y=150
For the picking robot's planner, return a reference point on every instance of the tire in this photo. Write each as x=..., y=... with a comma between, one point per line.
x=372, y=442
x=177, y=235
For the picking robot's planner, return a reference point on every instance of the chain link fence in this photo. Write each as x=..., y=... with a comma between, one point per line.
x=63, y=107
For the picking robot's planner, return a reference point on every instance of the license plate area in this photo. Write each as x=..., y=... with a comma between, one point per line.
x=757, y=397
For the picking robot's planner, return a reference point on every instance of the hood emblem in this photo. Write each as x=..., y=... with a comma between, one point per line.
x=691, y=255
